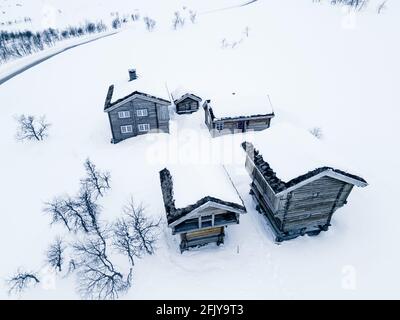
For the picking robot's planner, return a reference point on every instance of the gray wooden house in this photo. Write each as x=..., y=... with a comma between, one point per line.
x=185, y=101
x=136, y=107
x=301, y=205
x=238, y=112
x=199, y=216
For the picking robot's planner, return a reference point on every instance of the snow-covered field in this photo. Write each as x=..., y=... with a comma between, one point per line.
x=322, y=67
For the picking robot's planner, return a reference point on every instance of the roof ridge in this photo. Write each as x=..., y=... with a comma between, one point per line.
x=279, y=185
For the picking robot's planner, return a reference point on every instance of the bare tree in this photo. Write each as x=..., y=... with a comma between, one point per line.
x=98, y=278
x=22, y=280
x=55, y=254
x=70, y=212
x=135, y=234
x=77, y=214
x=193, y=16
x=144, y=230
x=81, y=212
x=71, y=266
x=149, y=23
x=88, y=208
x=124, y=240
x=246, y=31
x=224, y=43
x=96, y=181
x=58, y=212
x=316, y=132
x=31, y=128
x=178, y=20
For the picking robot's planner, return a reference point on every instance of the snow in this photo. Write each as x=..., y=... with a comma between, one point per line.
x=150, y=86
x=321, y=65
x=239, y=103
x=192, y=183
x=284, y=141
x=180, y=91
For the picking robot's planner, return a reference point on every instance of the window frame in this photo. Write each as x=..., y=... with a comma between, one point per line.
x=124, y=114
x=142, y=113
x=219, y=125
x=143, y=125
x=207, y=219
x=124, y=129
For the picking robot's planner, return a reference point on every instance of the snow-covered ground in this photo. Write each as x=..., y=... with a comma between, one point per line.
x=322, y=66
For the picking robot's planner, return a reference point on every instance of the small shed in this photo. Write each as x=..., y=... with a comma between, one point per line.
x=199, y=209
x=296, y=182
x=185, y=101
x=238, y=112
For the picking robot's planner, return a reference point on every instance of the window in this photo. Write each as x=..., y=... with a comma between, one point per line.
x=206, y=221
x=144, y=127
x=219, y=126
x=142, y=112
x=126, y=129
x=124, y=114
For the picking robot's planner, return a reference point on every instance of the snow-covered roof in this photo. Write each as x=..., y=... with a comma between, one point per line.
x=192, y=183
x=291, y=152
x=151, y=87
x=236, y=104
x=181, y=92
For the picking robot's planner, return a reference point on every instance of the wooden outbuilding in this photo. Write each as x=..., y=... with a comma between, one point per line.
x=197, y=209
x=185, y=101
x=238, y=112
x=137, y=107
x=296, y=188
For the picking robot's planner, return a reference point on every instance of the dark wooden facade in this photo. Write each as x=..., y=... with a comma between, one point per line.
x=234, y=124
x=201, y=223
x=187, y=103
x=303, y=205
x=136, y=114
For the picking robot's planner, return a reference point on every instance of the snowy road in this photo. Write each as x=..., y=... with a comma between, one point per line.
x=46, y=57
x=231, y=7
x=35, y=62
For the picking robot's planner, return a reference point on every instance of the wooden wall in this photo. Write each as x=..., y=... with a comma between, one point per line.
x=187, y=105
x=313, y=204
x=157, y=118
x=308, y=208
x=235, y=125
x=202, y=237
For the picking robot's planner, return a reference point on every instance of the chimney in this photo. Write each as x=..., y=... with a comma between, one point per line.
x=132, y=74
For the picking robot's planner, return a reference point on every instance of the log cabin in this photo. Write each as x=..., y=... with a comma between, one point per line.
x=185, y=101
x=137, y=107
x=199, y=212
x=237, y=112
x=309, y=188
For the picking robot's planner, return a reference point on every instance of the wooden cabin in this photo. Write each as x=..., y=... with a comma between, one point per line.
x=238, y=112
x=305, y=200
x=185, y=101
x=136, y=107
x=197, y=210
